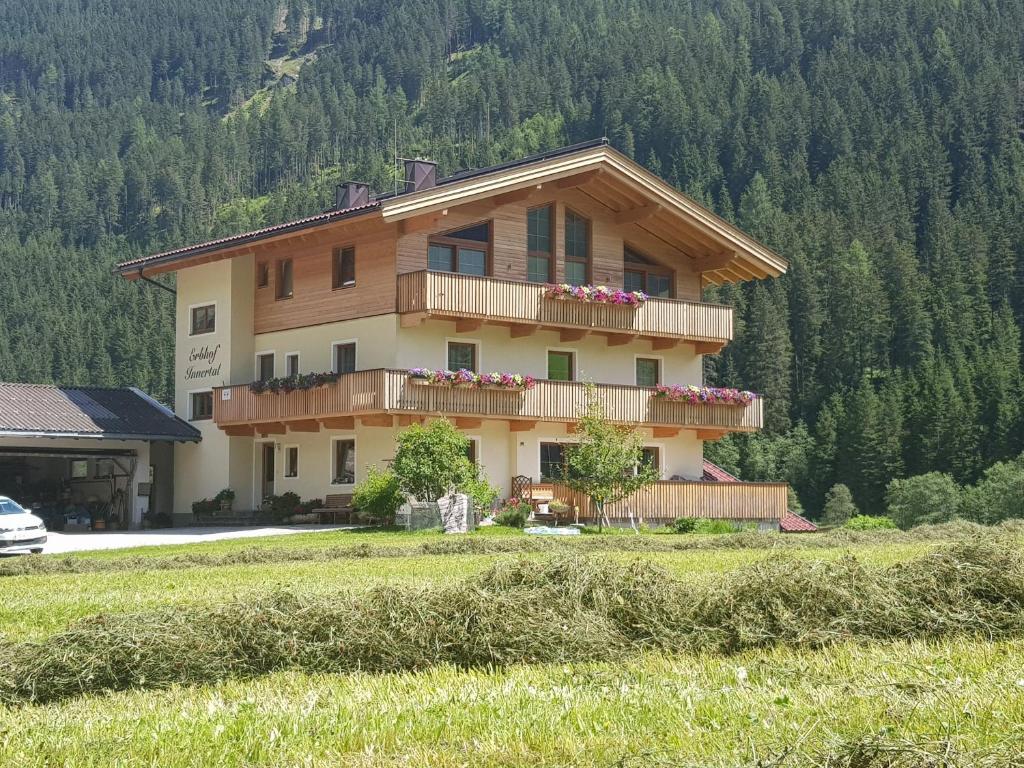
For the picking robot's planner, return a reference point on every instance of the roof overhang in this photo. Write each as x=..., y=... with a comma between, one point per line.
x=101, y=436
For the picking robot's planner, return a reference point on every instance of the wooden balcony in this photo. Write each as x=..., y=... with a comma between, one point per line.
x=472, y=301
x=376, y=397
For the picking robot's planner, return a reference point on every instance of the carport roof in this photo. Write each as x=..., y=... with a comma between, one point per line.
x=38, y=410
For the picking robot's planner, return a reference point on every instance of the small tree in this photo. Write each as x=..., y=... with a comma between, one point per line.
x=607, y=464
x=431, y=462
x=999, y=495
x=930, y=498
x=839, y=506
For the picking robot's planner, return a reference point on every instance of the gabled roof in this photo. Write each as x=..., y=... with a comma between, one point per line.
x=715, y=474
x=37, y=410
x=794, y=523
x=629, y=193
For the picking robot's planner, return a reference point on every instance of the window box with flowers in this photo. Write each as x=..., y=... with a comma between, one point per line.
x=595, y=294
x=703, y=395
x=286, y=384
x=512, y=382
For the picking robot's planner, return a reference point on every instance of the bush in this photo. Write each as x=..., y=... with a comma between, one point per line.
x=717, y=527
x=285, y=505
x=431, y=461
x=684, y=525
x=869, y=523
x=931, y=498
x=378, y=496
x=998, y=496
x=514, y=515
x=839, y=506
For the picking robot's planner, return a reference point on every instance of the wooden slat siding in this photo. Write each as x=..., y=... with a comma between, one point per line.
x=381, y=391
x=449, y=295
x=314, y=300
x=667, y=500
x=509, y=255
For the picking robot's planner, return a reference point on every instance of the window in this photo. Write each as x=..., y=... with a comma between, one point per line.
x=291, y=461
x=538, y=244
x=291, y=364
x=79, y=468
x=265, y=366
x=284, y=279
x=345, y=357
x=577, y=249
x=262, y=274
x=471, y=451
x=552, y=462
x=461, y=355
x=344, y=462
x=642, y=274
x=650, y=457
x=648, y=372
x=201, y=407
x=560, y=366
x=344, y=267
x=464, y=251
x=204, y=320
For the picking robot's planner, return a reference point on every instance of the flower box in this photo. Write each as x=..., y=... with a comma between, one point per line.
x=286, y=384
x=595, y=294
x=510, y=382
x=703, y=395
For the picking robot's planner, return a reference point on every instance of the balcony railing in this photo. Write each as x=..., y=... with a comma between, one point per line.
x=382, y=392
x=510, y=302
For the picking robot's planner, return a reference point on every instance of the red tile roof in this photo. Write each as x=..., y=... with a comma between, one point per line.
x=794, y=523
x=715, y=474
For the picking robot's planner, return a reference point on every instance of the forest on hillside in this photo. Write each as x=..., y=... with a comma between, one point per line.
x=878, y=146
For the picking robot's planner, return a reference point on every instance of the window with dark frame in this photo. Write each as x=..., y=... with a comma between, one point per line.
x=648, y=372
x=291, y=364
x=202, y=406
x=466, y=251
x=561, y=365
x=345, y=357
x=642, y=274
x=344, y=267
x=577, y=248
x=291, y=461
x=344, y=462
x=265, y=366
x=539, y=238
x=285, y=288
x=203, y=319
x=262, y=274
x=552, y=462
x=471, y=452
x=651, y=457
x=461, y=355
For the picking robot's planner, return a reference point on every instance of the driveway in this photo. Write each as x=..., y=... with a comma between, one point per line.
x=81, y=542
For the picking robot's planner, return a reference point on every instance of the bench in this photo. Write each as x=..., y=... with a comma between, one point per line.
x=335, y=505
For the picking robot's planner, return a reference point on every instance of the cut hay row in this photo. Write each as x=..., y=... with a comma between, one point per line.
x=562, y=610
x=503, y=545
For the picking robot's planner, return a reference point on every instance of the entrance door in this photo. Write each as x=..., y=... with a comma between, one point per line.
x=267, y=470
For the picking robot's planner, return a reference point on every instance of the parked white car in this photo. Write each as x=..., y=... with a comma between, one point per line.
x=20, y=530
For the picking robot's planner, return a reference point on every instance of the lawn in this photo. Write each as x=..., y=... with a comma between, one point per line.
x=964, y=699
x=870, y=705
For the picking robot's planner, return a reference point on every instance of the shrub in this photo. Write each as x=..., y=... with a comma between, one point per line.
x=684, y=525
x=869, y=523
x=431, y=461
x=205, y=507
x=481, y=493
x=378, y=496
x=839, y=506
x=226, y=494
x=717, y=527
x=285, y=505
x=999, y=495
x=514, y=515
x=931, y=498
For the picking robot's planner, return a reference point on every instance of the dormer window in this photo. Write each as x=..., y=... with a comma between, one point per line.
x=642, y=274
x=466, y=251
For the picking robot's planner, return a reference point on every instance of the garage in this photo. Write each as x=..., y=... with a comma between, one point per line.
x=89, y=458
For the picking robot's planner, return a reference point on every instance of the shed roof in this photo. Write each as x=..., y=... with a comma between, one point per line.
x=39, y=410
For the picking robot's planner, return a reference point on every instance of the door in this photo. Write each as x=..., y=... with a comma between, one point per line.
x=267, y=470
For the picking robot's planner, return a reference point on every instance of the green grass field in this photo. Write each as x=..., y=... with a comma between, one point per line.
x=856, y=706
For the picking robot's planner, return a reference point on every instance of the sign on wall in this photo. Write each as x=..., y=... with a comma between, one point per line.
x=203, y=362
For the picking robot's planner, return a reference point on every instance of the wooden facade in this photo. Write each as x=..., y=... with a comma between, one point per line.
x=451, y=296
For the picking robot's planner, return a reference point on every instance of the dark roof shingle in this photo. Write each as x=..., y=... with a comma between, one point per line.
x=126, y=413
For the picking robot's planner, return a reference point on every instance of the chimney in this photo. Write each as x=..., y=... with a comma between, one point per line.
x=419, y=174
x=351, y=194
